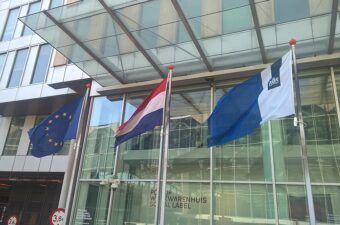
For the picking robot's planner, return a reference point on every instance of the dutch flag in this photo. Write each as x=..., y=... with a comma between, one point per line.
x=148, y=115
x=267, y=95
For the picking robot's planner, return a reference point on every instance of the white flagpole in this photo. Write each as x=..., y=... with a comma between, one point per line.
x=163, y=157
x=298, y=109
x=75, y=155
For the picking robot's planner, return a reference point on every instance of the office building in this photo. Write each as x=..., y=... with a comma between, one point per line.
x=124, y=47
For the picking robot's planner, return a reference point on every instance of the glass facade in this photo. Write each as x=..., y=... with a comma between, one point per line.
x=257, y=179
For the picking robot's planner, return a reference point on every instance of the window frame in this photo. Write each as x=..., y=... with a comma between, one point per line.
x=24, y=68
x=8, y=132
x=5, y=60
x=36, y=63
x=28, y=13
x=6, y=23
x=50, y=4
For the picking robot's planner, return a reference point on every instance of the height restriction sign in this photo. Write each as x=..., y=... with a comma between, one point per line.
x=13, y=220
x=57, y=217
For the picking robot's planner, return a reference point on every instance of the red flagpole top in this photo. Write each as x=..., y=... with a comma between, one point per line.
x=88, y=85
x=292, y=41
x=171, y=67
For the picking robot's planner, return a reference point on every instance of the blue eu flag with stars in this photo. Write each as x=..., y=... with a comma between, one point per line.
x=48, y=137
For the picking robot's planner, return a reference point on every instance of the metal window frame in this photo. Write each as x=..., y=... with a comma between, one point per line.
x=151, y=58
x=24, y=67
x=4, y=28
x=333, y=26
x=192, y=35
x=258, y=30
x=36, y=63
x=84, y=47
x=4, y=65
x=8, y=132
x=28, y=13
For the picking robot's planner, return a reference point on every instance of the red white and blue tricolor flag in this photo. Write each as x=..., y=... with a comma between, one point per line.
x=148, y=115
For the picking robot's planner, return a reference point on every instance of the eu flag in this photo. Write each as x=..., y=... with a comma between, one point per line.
x=48, y=137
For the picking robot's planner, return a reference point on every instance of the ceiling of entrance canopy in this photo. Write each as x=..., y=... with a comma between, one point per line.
x=121, y=41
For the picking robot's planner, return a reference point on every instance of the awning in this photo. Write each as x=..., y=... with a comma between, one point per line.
x=122, y=41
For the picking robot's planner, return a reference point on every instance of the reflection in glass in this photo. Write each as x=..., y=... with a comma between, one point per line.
x=139, y=155
x=33, y=8
x=243, y=204
x=13, y=136
x=134, y=203
x=41, y=66
x=322, y=133
x=289, y=10
x=236, y=16
x=187, y=204
x=291, y=204
x=9, y=29
x=247, y=158
x=326, y=204
x=99, y=151
x=18, y=68
x=92, y=204
x=188, y=151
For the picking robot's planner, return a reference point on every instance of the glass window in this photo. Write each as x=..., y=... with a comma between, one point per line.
x=246, y=158
x=99, y=152
x=236, y=16
x=33, y=8
x=326, y=204
x=41, y=66
x=292, y=204
x=56, y=3
x=289, y=10
x=244, y=202
x=187, y=204
x=2, y=63
x=149, y=12
x=10, y=24
x=133, y=203
x=92, y=204
x=13, y=137
x=191, y=8
x=139, y=155
x=189, y=155
x=18, y=68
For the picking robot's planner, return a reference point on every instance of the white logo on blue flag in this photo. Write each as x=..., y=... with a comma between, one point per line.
x=266, y=95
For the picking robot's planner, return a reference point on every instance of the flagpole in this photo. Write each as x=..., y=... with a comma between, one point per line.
x=298, y=109
x=114, y=171
x=75, y=155
x=163, y=158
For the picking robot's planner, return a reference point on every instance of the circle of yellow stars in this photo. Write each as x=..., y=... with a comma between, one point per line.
x=53, y=142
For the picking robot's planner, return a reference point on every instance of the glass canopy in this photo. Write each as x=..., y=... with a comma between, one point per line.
x=125, y=41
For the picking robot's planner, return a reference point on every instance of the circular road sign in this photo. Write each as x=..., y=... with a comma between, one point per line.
x=13, y=220
x=57, y=216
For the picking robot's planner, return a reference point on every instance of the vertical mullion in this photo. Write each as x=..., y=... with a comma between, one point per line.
x=273, y=172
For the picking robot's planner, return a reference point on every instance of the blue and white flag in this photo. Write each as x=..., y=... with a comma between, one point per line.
x=48, y=136
x=267, y=95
